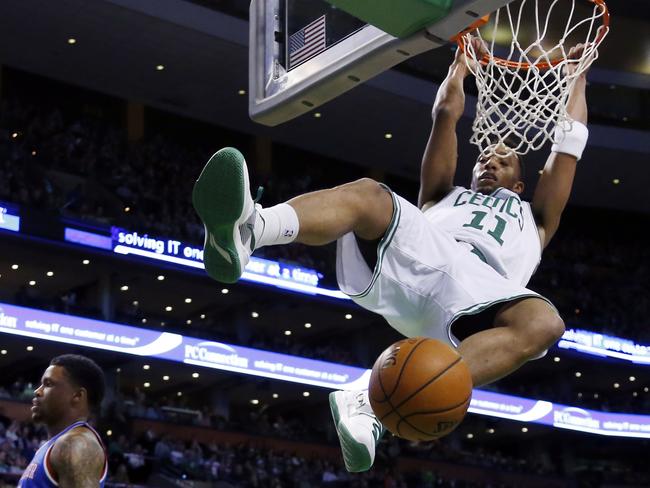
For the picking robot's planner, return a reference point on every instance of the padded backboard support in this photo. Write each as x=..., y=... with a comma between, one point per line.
x=278, y=94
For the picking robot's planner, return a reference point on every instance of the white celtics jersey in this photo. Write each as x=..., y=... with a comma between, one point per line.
x=499, y=226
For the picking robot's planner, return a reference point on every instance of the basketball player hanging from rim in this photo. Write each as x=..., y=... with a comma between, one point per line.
x=461, y=258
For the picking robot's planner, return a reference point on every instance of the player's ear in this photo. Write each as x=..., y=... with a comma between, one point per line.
x=519, y=187
x=80, y=396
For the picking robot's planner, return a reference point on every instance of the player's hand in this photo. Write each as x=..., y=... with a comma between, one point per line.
x=576, y=55
x=475, y=48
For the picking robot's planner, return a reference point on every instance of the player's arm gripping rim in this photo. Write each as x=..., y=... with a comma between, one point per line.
x=441, y=154
x=554, y=185
x=78, y=460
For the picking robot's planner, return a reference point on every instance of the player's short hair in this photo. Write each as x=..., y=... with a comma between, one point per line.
x=84, y=373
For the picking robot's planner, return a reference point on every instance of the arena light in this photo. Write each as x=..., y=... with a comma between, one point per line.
x=3, y=352
x=49, y=273
x=85, y=261
x=96, y=334
x=255, y=315
x=188, y=300
x=15, y=267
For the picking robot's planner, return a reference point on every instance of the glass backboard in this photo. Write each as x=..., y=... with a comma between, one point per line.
x=304, y=53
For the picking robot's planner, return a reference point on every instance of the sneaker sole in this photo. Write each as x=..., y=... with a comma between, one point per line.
x=219, y=199
x=355, y=455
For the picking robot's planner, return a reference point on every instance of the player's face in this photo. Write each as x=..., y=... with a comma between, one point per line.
x=52, y=398
x=497, y=167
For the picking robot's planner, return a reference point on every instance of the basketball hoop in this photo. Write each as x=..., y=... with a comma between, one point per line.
x=523, y=89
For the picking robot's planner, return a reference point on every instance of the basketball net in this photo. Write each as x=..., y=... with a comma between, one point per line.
x=522, y=96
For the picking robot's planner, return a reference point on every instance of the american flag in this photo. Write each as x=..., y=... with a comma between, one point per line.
x=307, y=42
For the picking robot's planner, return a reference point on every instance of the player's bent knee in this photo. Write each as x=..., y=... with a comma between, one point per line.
x=368, y=187
x=542, y=334
x=373, y=207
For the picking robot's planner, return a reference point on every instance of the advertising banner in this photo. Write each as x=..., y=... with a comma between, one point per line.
x=125, y=339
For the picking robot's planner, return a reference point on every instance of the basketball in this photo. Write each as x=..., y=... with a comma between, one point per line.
x=420, y=389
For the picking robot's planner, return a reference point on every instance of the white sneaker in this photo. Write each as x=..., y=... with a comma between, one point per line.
x=358, y=429
x=222, y=198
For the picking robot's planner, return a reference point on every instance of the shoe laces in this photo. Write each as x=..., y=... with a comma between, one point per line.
x=260, y=192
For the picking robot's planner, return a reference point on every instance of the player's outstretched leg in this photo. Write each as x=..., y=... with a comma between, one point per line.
x=357, y=427
x=235, y=225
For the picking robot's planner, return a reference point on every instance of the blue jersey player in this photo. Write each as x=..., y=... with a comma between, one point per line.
x=74, y=456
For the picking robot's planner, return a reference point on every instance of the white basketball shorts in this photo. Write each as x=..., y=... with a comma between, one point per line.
x=424, y=279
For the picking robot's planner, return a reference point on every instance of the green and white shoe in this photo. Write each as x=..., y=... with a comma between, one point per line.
x=358, y=429
x=221, y=197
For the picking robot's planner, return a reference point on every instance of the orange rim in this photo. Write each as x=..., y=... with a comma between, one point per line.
x=459, y=39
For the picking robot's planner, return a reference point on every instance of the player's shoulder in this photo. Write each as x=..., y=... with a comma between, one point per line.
x=77, y=445
x=435, y=201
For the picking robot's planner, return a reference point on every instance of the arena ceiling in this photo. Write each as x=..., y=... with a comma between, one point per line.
x=205, y=54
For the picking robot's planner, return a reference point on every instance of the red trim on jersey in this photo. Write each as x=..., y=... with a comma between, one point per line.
x=49, y=471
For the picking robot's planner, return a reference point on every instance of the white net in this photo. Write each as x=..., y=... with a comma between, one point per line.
x=523, y=90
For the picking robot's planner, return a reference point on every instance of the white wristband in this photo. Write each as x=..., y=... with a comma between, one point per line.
x=570, y=138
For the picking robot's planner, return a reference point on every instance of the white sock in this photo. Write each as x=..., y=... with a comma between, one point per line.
x=276, y=225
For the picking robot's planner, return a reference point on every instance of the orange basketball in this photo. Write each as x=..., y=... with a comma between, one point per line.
x=420, y=389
